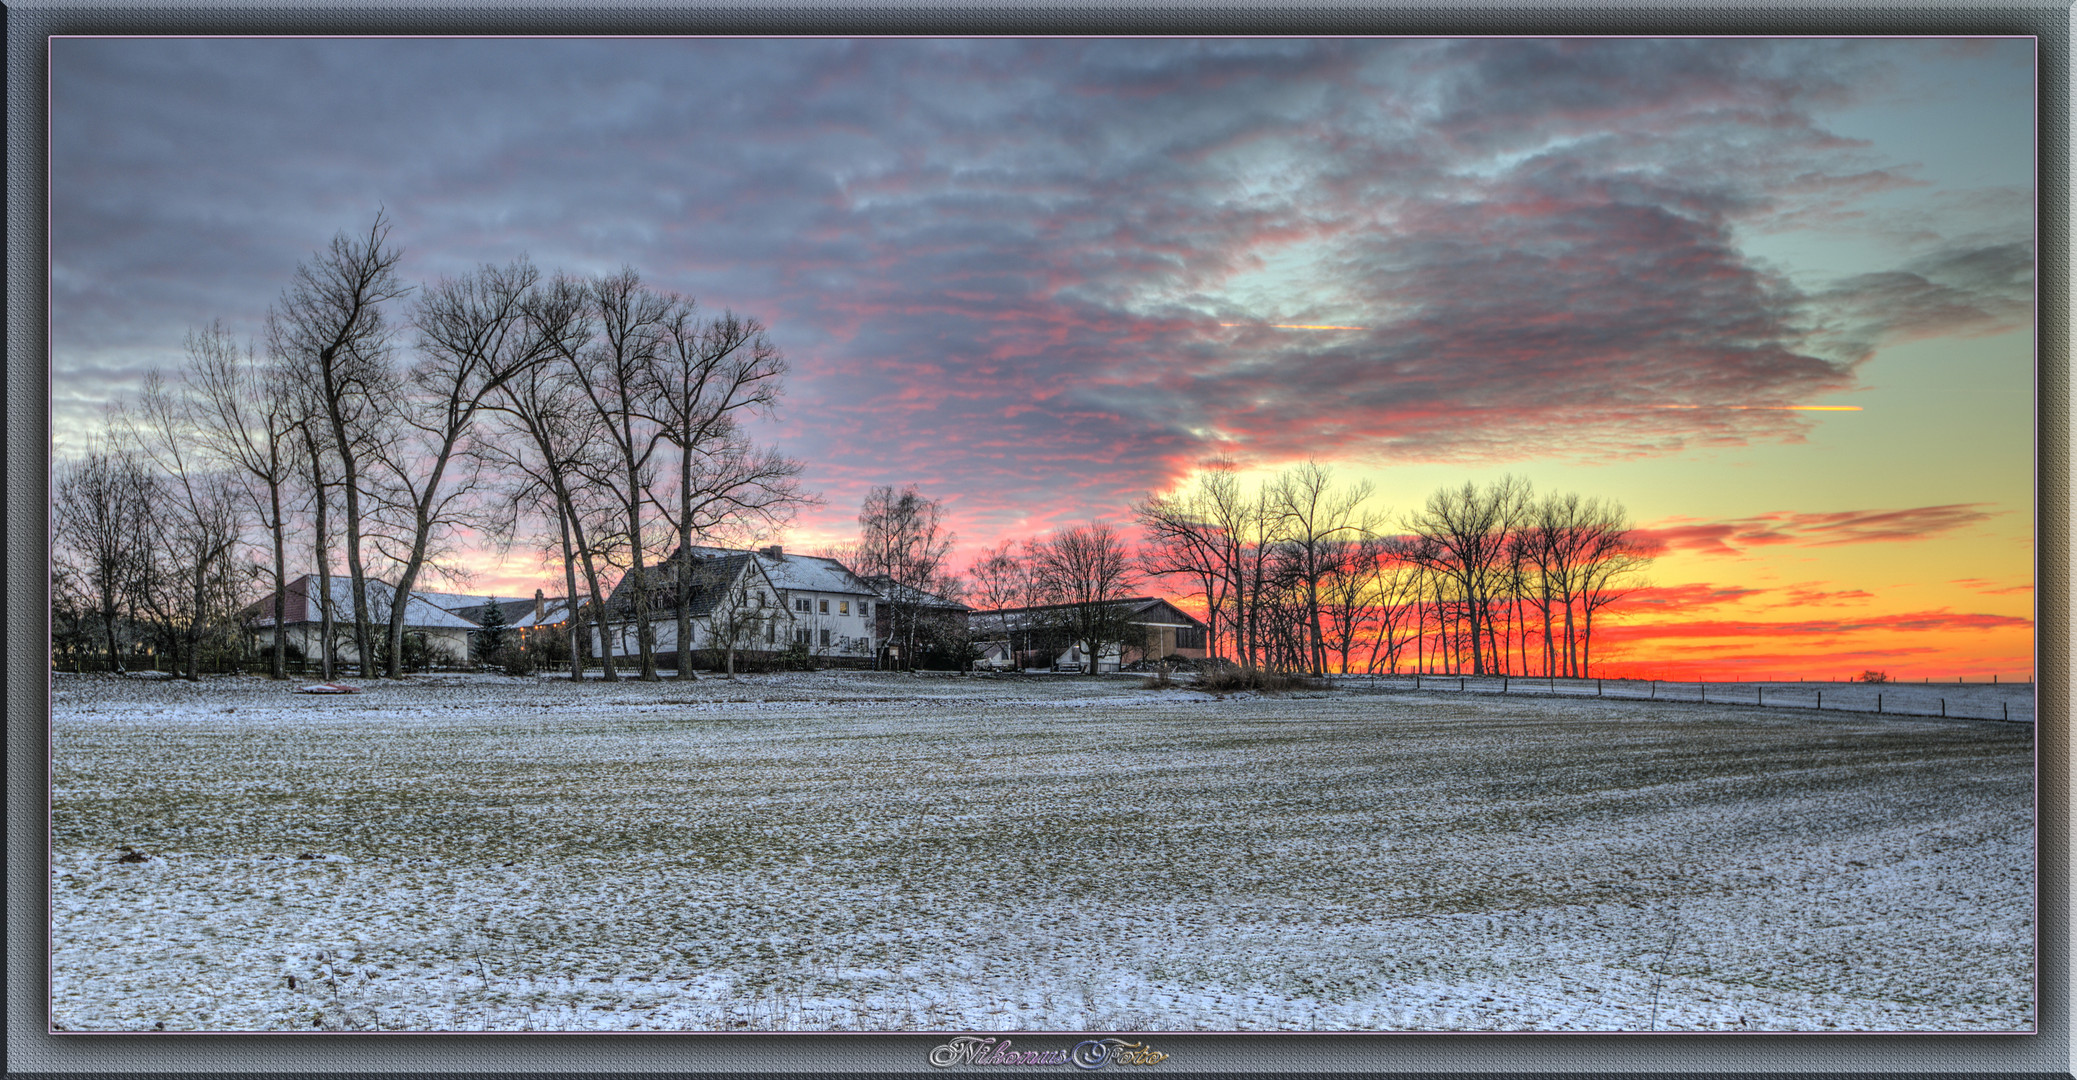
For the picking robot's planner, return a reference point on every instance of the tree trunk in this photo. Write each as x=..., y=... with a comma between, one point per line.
x=279, y=669
x=607, y=673
x=326, y=627
x=1571, y=656
x=570, y=619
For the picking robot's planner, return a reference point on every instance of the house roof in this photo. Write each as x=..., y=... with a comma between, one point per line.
x=1146, y=610
x=799, y=573
x=519, y=614
x=420, y=612
x=711, y=580
x=886, y=588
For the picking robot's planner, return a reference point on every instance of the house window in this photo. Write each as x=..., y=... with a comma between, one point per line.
x=1189, y=637
x=800, y=603
x=771, y=633
x=825, y=637
x=800, y=636
x=760, y=598
x=825, y=606
x=843, y=607
x=865, y=608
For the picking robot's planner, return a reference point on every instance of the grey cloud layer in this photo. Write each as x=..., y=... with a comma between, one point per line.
x=999, y=265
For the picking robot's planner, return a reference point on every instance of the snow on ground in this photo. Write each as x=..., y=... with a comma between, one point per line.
x=879, y=851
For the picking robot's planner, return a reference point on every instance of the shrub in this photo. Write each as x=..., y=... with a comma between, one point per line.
x=1229, y=679
x=549, y=645
x=797, y=657
x=1871, y=677
x=516, y=661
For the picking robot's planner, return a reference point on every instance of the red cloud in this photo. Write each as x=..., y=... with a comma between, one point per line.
x=1814, y=529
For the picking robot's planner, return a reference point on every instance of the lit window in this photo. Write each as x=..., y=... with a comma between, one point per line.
x=843, y=607
x=825, y=606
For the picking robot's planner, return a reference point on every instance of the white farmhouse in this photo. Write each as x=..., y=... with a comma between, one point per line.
x=734, y=605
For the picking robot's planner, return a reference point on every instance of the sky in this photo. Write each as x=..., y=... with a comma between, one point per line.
x=1040, y=279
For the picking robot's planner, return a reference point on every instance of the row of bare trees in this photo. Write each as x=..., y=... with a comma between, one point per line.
x=598, y=419
x=1301, y=575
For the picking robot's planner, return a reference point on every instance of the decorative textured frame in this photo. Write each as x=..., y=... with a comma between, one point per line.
x=23, y=606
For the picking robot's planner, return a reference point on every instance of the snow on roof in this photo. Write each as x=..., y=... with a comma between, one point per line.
x=420, y=611
x=799, y=573
x=519, y=610
x=1146, y=610
x=908, y=594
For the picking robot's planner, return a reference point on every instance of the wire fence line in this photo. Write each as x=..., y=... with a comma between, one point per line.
x=1916, y=700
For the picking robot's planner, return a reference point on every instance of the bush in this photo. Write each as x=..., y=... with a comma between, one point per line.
x=1229, y=679
x=516, y=661
x=797, y=657
x=549, y=646
x=1871, y=677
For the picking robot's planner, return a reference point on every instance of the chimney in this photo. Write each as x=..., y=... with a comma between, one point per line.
x=776, y=552
x=540, y=607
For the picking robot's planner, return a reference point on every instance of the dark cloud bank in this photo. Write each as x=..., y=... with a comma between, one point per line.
x=1001, y=267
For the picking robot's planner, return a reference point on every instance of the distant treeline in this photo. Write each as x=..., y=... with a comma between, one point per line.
x=1301, y=575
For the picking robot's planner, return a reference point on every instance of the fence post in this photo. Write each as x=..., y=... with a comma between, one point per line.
x=1597, y=688
x=2006, y=708
x=1704, y=687
x=1460, y=684
x=1655, y=689
x=1820, y=699
x=1878, y=703
x=1762, y=691
x=1943, y=708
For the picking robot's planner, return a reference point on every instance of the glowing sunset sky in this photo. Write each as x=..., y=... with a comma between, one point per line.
x=1042, y=278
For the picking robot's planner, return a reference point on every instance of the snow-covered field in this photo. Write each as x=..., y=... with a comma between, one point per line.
x=862, y=851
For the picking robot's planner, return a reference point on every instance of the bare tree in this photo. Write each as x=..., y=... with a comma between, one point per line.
x=246, y=419
x=557, y=433
x=1348, y=601
x=1000, y=580
x=1088, y=568
x=1314, y=518
x=616, y=372
x=329, y=324
x=706, y=380
x=903, y=543
x=98, y=517
x=197, y=521
x=475, y=335
x=1467, y=531
x=1395, y=598
x=1611, y=568
x=1183, y=538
